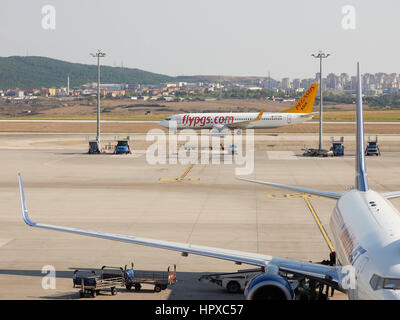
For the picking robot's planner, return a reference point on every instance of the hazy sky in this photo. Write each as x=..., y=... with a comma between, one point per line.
x=228, y=37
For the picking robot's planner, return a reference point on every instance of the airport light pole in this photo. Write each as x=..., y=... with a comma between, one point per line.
x=99, y=55
x=320, y=56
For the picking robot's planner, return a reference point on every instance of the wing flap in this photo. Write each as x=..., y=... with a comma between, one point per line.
x=391, y=195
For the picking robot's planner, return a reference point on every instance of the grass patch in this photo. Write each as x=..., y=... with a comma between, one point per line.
x=369, y=115
x=329, y=115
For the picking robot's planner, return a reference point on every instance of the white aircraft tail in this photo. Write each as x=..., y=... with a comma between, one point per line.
x=361, y=181
x=361, y=171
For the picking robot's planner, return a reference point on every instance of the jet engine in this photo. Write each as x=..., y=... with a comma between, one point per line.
x=269, y=287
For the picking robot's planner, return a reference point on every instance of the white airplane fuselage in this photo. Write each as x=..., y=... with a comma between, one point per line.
x=224, y=120
x=366, y=234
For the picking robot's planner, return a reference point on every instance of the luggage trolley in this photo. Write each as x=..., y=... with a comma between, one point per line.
x=92, y=285
x=160, y=279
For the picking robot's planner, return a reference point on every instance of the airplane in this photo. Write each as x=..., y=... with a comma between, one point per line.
x=365, y=228
x=366, y=232
x=220, y=122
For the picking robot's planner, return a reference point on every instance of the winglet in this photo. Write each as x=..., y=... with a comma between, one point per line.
x=361, y=171
x=24, y=210
x=259, y=115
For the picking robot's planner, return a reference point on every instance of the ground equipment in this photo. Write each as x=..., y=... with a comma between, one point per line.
x=234, y=282
x=92, y=285
x=122, y=147
x=337, y=147
x=372, y=147
x=94, y=147
x=160, y=279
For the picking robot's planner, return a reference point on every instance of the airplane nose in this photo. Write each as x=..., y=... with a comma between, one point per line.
x=391, y=295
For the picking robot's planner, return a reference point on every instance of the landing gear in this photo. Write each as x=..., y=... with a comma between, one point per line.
x=310, y=289
x=313, y=288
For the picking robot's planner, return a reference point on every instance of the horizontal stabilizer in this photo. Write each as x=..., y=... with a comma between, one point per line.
x=391, y=195
x=321, y=193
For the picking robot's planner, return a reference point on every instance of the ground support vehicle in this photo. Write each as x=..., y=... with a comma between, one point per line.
x=234, y=282
x=160, y=279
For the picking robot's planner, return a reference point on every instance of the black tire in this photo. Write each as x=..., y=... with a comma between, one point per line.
x=233, y=287
x=93, y=294
x=128, y=287
x=138, y=286
x=114, y=291
x=81, y=294
x=157, y=288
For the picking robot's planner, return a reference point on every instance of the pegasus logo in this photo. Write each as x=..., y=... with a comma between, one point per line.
x=302, y=103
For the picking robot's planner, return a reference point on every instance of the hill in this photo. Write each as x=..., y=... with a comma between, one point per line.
x=38, y=72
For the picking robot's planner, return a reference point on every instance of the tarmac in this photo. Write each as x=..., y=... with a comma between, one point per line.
x=202, y=204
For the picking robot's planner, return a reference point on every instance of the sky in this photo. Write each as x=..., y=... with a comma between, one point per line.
x=209, y=37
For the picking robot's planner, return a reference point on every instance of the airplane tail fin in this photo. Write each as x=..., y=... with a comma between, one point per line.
x=306, y=102
x=361, y=171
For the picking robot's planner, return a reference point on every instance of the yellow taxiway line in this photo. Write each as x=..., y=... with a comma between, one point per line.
x=306, y=198
x=182, y=177
x=187, y=171
x=319, y=224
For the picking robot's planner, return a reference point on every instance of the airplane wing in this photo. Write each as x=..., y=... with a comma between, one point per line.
x=244, y=124
x=321, y=193
x=325, y=273
x=391, y=195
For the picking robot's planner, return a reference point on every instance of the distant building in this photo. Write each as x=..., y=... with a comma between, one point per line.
x=48, y=92
x=52, y=92
x=353, y=83
x=286, y=83
x=112, y=93
x=19, y=94
x=296, y=84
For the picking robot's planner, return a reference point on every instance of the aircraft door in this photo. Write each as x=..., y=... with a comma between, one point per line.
x=362, y=287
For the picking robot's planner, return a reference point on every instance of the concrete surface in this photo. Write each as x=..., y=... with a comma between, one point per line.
x=123, y=194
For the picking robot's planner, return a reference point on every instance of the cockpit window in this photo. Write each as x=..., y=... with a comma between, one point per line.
x=168, y=119
x=378, y=282
x=391, y=284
